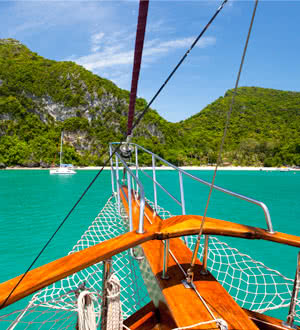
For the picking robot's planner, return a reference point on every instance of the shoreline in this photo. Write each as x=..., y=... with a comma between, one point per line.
x=167, y=168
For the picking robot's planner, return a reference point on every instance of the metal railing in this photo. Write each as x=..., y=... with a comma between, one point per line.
x=182, y=172
x=294, y=298
x=130, y=176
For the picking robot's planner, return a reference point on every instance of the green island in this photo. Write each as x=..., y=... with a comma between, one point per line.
x=40, y=97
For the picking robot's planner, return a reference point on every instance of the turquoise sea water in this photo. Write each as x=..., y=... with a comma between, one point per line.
x=33, y=203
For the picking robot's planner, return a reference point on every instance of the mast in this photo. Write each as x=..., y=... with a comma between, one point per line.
x=139, y=44
x=61, y=151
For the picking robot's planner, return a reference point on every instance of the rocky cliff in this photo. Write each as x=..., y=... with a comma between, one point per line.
x=39, y=98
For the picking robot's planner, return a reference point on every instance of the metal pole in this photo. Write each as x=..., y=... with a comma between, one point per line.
x=134, y=187
x=112, y=169
x=136, y=167
x=118, y=184
x=290, y=319
x=154, y=182
x=129, y=201
x=142, y=209
x=181, y=193
x=106, y=272
x=182, y=200
x=164, y=275
x=205, y=255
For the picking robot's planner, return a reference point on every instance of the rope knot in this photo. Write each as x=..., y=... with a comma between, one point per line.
x=114, y=319
x=86, y=311
x=113, y=287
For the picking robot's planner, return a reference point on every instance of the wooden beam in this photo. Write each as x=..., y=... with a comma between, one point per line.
x=183, y=225
x=45, y=275
x=146, y=318
x=171, y=228
x=184, y=305
x=190, y=224
x=265, y=322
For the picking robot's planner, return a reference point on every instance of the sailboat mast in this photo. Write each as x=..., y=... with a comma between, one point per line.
x=61, y=144
x=139, y=44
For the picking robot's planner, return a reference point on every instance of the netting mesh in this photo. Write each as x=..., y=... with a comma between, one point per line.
x=55, y=307
x=253, y=285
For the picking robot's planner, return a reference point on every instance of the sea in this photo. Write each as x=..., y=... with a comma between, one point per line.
x=34, y=203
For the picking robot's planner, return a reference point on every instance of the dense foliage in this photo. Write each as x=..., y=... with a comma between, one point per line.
x=40, y=97
x=264, y=128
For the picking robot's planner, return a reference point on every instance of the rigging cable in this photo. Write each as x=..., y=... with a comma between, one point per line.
x=195, y=252
x=137, y=121
x=179, y=63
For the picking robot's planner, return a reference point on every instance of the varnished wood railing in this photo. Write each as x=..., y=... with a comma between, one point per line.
x=189, y=225
x=173, y=227
x=56, y=270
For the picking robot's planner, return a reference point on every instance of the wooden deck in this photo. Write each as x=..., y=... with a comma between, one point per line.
x=149, y=318
x=184, y=305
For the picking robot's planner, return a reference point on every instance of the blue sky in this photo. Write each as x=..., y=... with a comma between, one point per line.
x=100, y=36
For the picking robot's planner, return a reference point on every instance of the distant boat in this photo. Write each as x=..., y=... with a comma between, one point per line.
x=284, y=169
x=100, y=284
x=63, y=168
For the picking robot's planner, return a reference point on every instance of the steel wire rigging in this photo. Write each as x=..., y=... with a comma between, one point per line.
x=197, y=245
x=130, y=129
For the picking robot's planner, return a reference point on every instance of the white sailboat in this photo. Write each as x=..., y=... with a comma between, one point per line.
x=63, y=168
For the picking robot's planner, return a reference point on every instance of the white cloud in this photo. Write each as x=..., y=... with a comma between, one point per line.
x=159, y=26
x=32, y=16
x=167, y=46
x=105, y=59
x=206, y=41
x=96, y=38
x=115, y=52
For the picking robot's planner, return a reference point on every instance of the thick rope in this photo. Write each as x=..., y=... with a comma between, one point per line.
x=114, y=319
x=86, y=311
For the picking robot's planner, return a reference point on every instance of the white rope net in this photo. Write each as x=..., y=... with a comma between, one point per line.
x=253, y=285
x=55, y=307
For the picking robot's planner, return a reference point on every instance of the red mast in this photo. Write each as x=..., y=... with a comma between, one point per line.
x=139, y=44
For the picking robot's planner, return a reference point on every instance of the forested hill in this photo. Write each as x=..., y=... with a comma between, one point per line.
x=40, y=97
x=264, y=128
